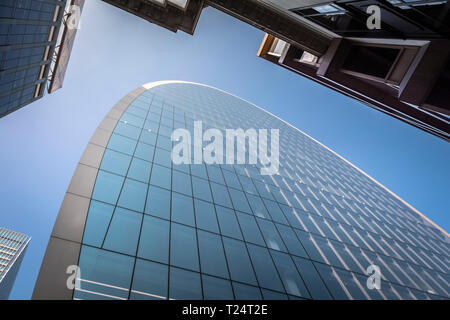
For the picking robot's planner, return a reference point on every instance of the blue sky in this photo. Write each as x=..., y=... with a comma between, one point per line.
x=116, y=52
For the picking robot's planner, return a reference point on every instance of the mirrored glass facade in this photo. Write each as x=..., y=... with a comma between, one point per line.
x=28, y=34
x=155, y=230
x=12, y=250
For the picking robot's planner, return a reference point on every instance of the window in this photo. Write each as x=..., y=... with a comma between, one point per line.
x=158, y=202
x=148, y=137
x=149, y=281
x=181, y=182
x=182, y=209
x=139, y=170
x=231, y=179
x=133, y=195
x=258, y=207
x=272, y=295
x=115, y=162
x=107, y=269
x=215, y=174
x=239, y=201
x=212, y=257
x=122, y=144
x=277, y=48
x=289, y=276
x=132, y=119
x=265, y=270
x=161, y=176
x=162, y=157
x=216, y=289
x=228, y=223
x=245, y=292
x=205, y=216
x=154, y=242
x=220, y=194
x=184, y=284
x=275, y=211
x=127, y=130
x=290, y=239
x=107, y=187
x=312, y=279
x=372, y=61
x=201, y=189
x=97, y=223
x=183, y=247
x=239, y=261
x=271, y=236
x=330, y=277
x=123, y=233
x=250, y=229
x=307, y=58
x=144, y=151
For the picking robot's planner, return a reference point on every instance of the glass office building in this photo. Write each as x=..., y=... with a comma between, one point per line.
x=12, y=250
x=28, y=36
x=140, y=227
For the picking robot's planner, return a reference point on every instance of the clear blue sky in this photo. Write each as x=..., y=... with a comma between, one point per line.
x=116, y=52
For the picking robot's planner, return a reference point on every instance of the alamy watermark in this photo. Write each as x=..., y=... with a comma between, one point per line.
x=374, y=279
x=231, y=151
x=374, y=20
x=73, y=17
x=74, y=279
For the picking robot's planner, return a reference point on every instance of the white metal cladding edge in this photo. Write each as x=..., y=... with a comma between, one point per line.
x=158, y=83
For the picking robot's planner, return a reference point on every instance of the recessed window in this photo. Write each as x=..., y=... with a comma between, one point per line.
x=277, y=48
x=307, y=58
x=373, y=61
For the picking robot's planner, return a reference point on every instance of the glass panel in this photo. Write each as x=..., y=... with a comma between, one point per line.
x=201, y=189
x=122, y=144
x=220, y=195
x=238, y=261
x=239, y=201
x=206, y=216
x=161, y=176
x=271, y=235
x=212, y=256
x=123, y=233
x=98, y=219
x=291, y=279
x=272, y=295
x=107, y=187
x=144, y=151
x=258, y=207
x=115, y=162
x=133, y=195
x=182, y=209
x=184, y=285
x=265, y=270
x=106, y=269
x=217, y=289
x=245, y=292
x=154, y=242
x=309, y=274
x=181, y=182
x=150, y=281
x=183, y=247
x=250, y=229
x=158, y=202
x=228, y=223
x=290, y=239
x=140, y=170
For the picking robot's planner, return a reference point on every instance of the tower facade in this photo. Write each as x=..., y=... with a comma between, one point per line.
x=36, y=38
x=12, y=250
x=136, y=225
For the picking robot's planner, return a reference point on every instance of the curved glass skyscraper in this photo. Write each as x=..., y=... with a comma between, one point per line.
x=139, y=226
